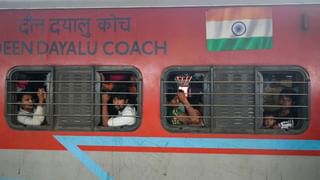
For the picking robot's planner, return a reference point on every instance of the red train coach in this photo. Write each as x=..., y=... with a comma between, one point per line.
x=163, y=91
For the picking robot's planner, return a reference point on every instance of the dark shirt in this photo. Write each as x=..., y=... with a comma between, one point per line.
x=288, y=121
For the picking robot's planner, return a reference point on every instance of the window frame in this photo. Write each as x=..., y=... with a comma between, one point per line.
x=163, y=99
x=306, y=78
x=139, y=97
x=11, y=99
x=258, y=101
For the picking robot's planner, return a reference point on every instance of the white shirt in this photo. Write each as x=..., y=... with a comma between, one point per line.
x=288, y=124
x=125, y=117
x=29, y=118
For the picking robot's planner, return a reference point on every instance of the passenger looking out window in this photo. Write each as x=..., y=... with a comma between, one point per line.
x=269, y=120
x=126, y=113
x=180, y=111
x=287, y=114
x=285, y=117
x=28, y=114
x=111, y=86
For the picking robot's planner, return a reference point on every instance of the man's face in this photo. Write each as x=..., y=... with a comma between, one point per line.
x=27, y=102
x=285, y=102
x=120, y=104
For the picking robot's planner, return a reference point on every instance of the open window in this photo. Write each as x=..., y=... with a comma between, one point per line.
x=119, y=84
x=73, y=96
x=284, y=98
x=234, y=99
x=186, y=91
x=25, y=83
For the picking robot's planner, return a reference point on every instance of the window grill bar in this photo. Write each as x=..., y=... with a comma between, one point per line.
x=75, y=115
x=246, y=82
x=241, y=117
x=239, y=105
x=80, y=104
x=264, y=94
x=84, y=92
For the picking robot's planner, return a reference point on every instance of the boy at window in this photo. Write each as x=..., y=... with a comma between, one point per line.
x=287, y=113
x=126, y=113
x=269, y=121
x=28, y=115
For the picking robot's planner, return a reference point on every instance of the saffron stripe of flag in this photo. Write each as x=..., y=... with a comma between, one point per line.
x=241, y=28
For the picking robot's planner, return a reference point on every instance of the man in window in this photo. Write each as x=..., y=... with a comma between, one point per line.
x=126, y=113
x=28, y=115
x=189, y=115
x=287, y=113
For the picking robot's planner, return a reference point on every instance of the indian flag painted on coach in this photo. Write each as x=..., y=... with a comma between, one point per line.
x=240, y=28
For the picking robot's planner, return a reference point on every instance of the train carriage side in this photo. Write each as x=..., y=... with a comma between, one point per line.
x=197, y=103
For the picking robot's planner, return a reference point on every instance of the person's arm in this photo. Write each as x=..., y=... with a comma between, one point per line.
x=128, y=117
x=105, y=112
x=35, y=120
x=42, y=96
x=38, y=114
x=194, y=114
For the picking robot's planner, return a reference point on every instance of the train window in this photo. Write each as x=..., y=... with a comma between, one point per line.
x=72, y=98
x=233, y=99
x=186, y=99
x=284, y=98
x=28, y=98
x=120, y=90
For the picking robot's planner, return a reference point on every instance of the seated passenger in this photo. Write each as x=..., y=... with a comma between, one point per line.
x=269, y=121
x=189, y=115
x=107, y=86
x=126, y=113
x=133, y=89
x=27, y=115
x=286, y=115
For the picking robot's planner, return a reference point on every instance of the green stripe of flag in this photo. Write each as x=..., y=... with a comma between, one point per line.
x=239, y=43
